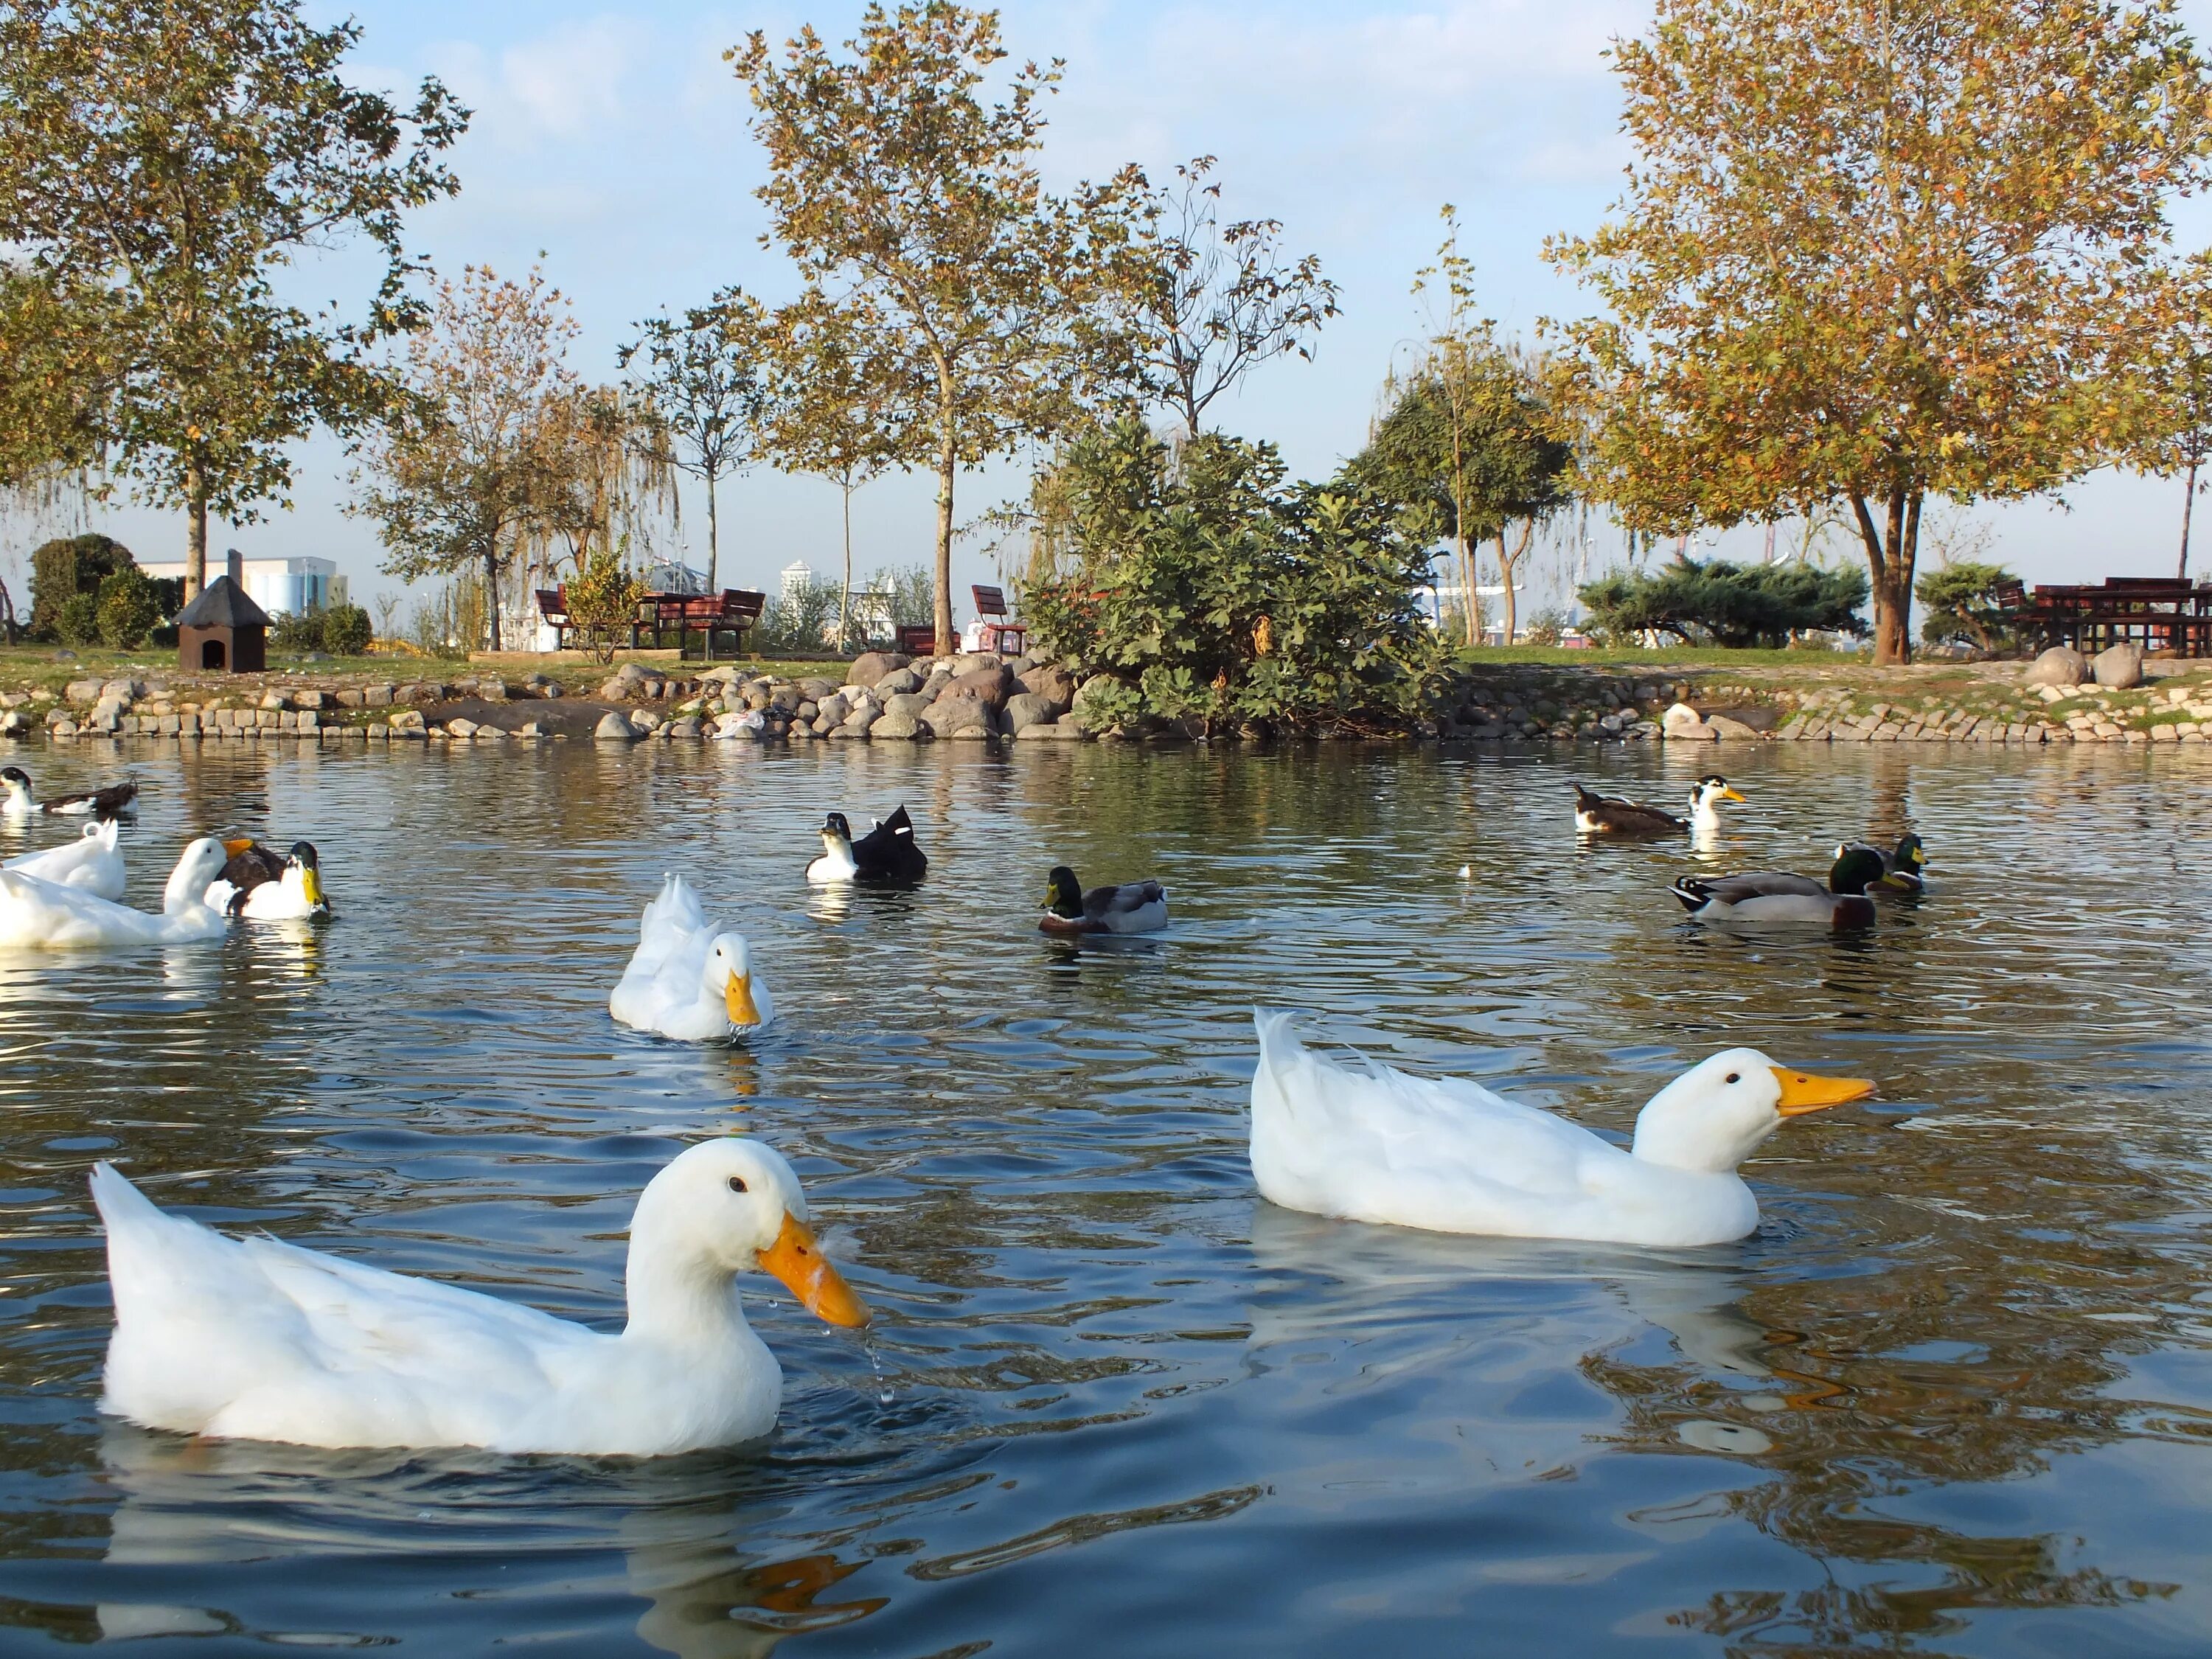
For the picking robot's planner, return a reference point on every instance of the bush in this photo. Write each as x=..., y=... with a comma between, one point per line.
x=603, y=600
x=805, y=618
x=347, y=630
x=1546, y=627
x=297, y=631
x=1220, y=594
x=1962, y=606
x=66, y=569
x=77, y=621
x=1732, y=605
x=128, y=606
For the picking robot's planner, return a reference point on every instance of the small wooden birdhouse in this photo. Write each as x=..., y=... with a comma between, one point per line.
x=223, y=631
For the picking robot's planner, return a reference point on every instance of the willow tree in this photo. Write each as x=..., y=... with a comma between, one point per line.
x=1874, y=250
x=162, y=161
x=914, y=210
x=707, y=380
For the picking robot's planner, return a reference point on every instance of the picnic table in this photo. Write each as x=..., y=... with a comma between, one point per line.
x=729, y=613
x=2158, y=613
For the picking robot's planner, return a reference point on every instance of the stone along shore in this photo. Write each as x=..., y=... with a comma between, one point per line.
x=884, y=697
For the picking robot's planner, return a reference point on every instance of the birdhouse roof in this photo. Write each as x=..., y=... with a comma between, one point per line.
x=222, y=603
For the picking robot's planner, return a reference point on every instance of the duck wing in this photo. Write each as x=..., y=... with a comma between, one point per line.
x=257, y=863
x=889, y=851
x=673, y=936
x=255, y=1337
x=103, y=803
x=1612, y=814
x=1369, y=1143
x=1102, y=903
x=1697, y=890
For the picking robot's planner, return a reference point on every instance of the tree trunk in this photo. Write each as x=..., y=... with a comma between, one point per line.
x=2188, y=502
x=1468, y=603
x=1889, y=569
x=491, y=594
x=713, y=549
x=196, y=517
x=948, y=456
x=1506, y=564
x=845, y=599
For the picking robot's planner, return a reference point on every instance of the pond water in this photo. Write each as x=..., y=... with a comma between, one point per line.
x=1955, y=1397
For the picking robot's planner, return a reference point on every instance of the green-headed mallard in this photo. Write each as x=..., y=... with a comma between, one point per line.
x=1763, y=896
x=1136, y=907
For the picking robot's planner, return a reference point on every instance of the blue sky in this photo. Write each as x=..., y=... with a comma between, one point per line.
x=616, y=142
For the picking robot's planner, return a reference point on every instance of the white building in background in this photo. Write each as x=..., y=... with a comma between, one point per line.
x=796, y=575
x=298, y=584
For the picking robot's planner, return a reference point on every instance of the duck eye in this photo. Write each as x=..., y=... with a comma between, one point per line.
x=737, y=1183
x=1735, y=1077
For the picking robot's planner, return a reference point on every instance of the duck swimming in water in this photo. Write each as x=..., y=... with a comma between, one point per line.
x=41, y=913
x=18, y=802
x=1135, y=907
x=1776, y=896
x=1366, y=1143
x=252, y=1339
x=260, y=884
x=886, y=853
x=93, y=862
x=688, y=979
x=1901, y=869
x=1608, y=815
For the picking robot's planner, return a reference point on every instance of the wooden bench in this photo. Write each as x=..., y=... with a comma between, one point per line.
x=553, y=610
x=998, y=627
x=917, y=639
x=730, y=613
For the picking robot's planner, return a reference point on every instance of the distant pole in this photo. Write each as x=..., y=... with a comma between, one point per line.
x=2188, y=503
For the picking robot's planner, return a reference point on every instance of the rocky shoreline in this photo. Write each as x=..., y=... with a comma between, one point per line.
x=884, y=697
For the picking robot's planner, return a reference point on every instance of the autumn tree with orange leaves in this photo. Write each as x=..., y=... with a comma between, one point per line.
x=1876, y=249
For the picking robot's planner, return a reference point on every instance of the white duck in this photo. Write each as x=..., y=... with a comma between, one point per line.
x=685, y=980
x=251, y=1338
x=1372, y=1144
x=93, y=862
x=42, y=913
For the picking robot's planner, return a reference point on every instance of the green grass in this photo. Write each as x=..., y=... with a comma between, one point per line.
x=1477, y=658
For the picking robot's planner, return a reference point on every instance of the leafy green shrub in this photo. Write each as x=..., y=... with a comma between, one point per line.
x=1222, y=593
x=347, y=630
x=802, y=619
x=1546, y=627
x=297, y=631
x=1962, y=605
x=602, y=599
x=128, y=606
x=1732, y=605
x=77, y=621
x=66, y=567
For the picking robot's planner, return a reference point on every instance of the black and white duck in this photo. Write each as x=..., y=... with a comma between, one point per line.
x=886, y=853
x=1608, y=815
x=107, y=803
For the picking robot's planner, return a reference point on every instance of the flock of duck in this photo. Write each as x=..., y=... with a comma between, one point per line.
x=255, y=1339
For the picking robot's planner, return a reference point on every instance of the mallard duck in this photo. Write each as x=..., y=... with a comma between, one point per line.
x=1136, y=907
x=251, y=1338
x=686, y=979
x=1366, y=1143
x=1772, y=897
x=1606, y=815
x=101, y=803
x=887, y=853
x=93, y=861
x=41, y=913
x=245, y=889
x=1901, y=869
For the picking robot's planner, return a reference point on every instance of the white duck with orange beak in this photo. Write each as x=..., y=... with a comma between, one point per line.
x=1366, y=1143
x=251, y=1338
x=687, y=979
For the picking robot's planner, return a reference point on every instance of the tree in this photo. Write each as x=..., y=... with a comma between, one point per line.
x=1216, y=592
x=1873, y=253
x=1961, y=600
x=602, y=599
x=472, y=467
x=163, y=160
x=67, y=565
x=1219, y=300
x=705, y=378
x=843, y=409
x=916, y=212
x=2180, y=439
x=1735, y=605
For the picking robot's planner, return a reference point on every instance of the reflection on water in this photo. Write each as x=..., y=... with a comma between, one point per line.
x=1955, y=1397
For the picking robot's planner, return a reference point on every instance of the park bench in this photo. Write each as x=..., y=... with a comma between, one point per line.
x=2158, y=613
x=998, y=629
x=553, y=610
x=730, y=613
x=917, y=639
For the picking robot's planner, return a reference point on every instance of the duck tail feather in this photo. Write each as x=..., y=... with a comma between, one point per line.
x=1693, y=893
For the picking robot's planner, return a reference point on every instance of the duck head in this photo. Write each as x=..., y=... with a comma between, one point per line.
x=1712, y=790
x=17, y=782
x=734, y=1204
x=1710, y=1118
x=202, y=863
x=729, y=975
x=1907, y=862
x=1063, y=893
x=301, y=869
x=1855, y=869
